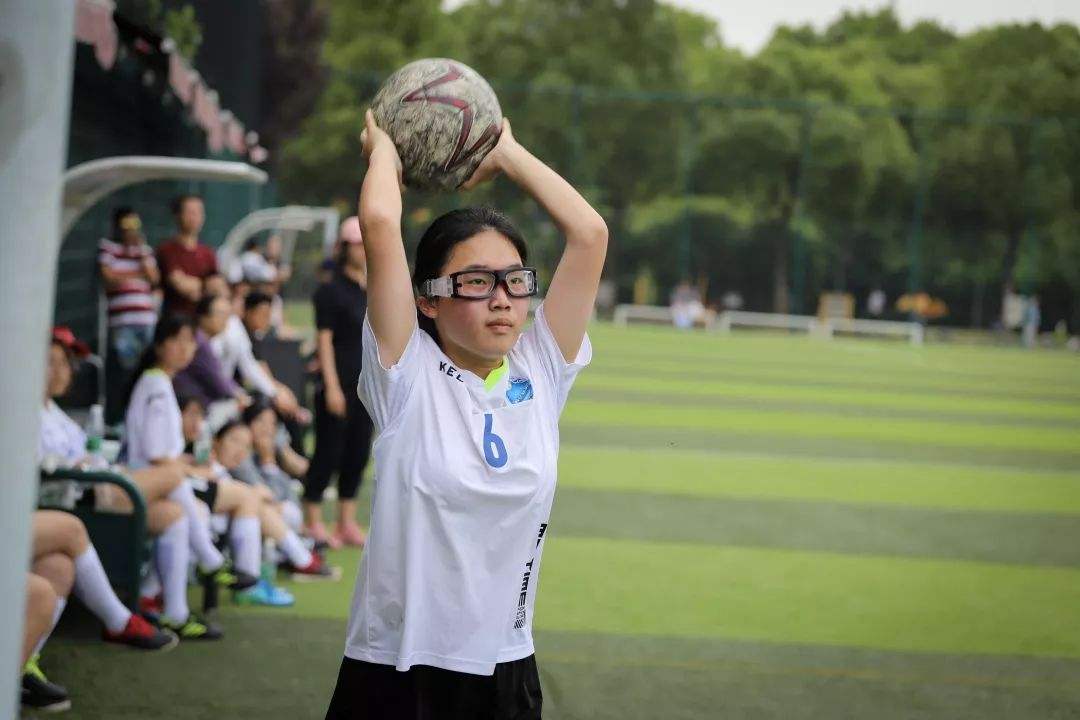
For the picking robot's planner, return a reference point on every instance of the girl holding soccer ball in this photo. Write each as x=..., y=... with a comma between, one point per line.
x=466, y=402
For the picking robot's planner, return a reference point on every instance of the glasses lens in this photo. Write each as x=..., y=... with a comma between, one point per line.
x=475, y=284
x=521, y=283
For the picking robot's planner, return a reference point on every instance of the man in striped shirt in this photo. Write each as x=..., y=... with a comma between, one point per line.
x=129, y=275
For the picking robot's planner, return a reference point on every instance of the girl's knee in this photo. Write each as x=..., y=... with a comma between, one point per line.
x=74, y=533
x=59, y=570
x=250, y=502
x=163, y=514
x=40, y=593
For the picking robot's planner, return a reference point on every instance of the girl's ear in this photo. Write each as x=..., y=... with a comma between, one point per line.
x=428, y=306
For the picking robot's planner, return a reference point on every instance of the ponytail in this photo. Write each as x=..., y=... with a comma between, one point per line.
x=168, y=326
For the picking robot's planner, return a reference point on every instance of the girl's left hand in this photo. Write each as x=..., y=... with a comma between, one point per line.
x=491, y=165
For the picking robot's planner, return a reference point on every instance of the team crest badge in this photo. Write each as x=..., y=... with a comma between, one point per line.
x=520, y=390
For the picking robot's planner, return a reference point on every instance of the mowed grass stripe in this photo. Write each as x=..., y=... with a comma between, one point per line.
x=852, y=399
x=1019, y=368
x=820, y=425
x=650, y=438
x=711, y=401
x=689, y=679
x=821, y=526
x=737, y=475
x=640, y=588
x=676, y=368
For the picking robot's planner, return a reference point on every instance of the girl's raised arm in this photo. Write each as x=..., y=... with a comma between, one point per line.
x=391, y=304
x=568, y=302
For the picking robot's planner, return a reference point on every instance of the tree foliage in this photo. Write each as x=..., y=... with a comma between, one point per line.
x=864, y=155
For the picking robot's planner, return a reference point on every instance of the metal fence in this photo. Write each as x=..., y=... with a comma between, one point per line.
x=773, y=203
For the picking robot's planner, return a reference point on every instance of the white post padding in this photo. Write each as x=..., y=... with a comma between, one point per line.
x=36, y=48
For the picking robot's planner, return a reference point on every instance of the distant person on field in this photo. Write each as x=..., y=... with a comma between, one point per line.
x=875, y=302
x=1032, y=320
x=686, y=305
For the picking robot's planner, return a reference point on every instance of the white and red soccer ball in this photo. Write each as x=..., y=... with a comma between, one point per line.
x=443, y=117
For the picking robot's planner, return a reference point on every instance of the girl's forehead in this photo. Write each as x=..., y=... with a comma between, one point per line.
x=488, y=249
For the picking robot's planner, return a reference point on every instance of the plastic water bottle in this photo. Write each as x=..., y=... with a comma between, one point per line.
x=95, y=435
x=201, y=449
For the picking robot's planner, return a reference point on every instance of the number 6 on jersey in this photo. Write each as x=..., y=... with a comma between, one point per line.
x=494, y=448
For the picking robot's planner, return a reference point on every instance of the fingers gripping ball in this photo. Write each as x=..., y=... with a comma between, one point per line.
x=443, y=117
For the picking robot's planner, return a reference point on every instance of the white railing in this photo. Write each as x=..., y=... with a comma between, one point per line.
x=778, y=321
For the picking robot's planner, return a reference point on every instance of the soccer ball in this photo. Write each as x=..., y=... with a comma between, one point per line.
x=443, y=117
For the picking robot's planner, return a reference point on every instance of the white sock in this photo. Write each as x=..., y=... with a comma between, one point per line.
x=292, y=514
x=93, y=588
x=171, y=555
x=61, y=603
x=202, y=542
x=246, y=544
x=294, y=549
x=151, y=584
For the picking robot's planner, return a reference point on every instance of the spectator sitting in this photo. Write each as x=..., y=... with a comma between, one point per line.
x=63, y=443
x=155, y=438
x=257, y=317
x=63, y=554
x=185, y=263
x=129, y=274
x=262, y=465
x=232, y=445
x=232, y=347
x=204, y=377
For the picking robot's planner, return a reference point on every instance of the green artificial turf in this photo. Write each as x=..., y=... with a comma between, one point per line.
x=749, y=526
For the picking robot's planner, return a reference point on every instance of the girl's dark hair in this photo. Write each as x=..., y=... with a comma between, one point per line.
x=447, y=231
x=225, y=429
x=119, y=214
x=184, y=400
x=202, y=308
x=169, y=326
x=259, y=404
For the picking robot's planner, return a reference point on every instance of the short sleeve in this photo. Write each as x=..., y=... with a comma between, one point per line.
x=162, y=256
x=325, y=310
x=542, y=351
x=158, y=430
x=105, y=258
x=384, y=391
x=211, y=262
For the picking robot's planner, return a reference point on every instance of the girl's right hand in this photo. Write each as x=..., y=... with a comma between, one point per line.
x=373, y=138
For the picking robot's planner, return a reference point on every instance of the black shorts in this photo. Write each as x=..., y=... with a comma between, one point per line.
x=370, y=691
x=205, y=490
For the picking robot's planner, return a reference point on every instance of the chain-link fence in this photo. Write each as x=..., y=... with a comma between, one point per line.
x=766, y=205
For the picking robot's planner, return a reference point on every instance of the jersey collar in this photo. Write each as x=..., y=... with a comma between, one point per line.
x=495, y=376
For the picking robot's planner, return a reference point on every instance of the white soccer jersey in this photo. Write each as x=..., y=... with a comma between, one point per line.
x=61, y=437
x=153, y=426
x=464, y=480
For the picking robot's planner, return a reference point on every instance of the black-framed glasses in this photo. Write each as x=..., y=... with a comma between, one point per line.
x=480, y=284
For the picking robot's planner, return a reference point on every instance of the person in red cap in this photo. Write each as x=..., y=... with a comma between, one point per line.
x=62, y=443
